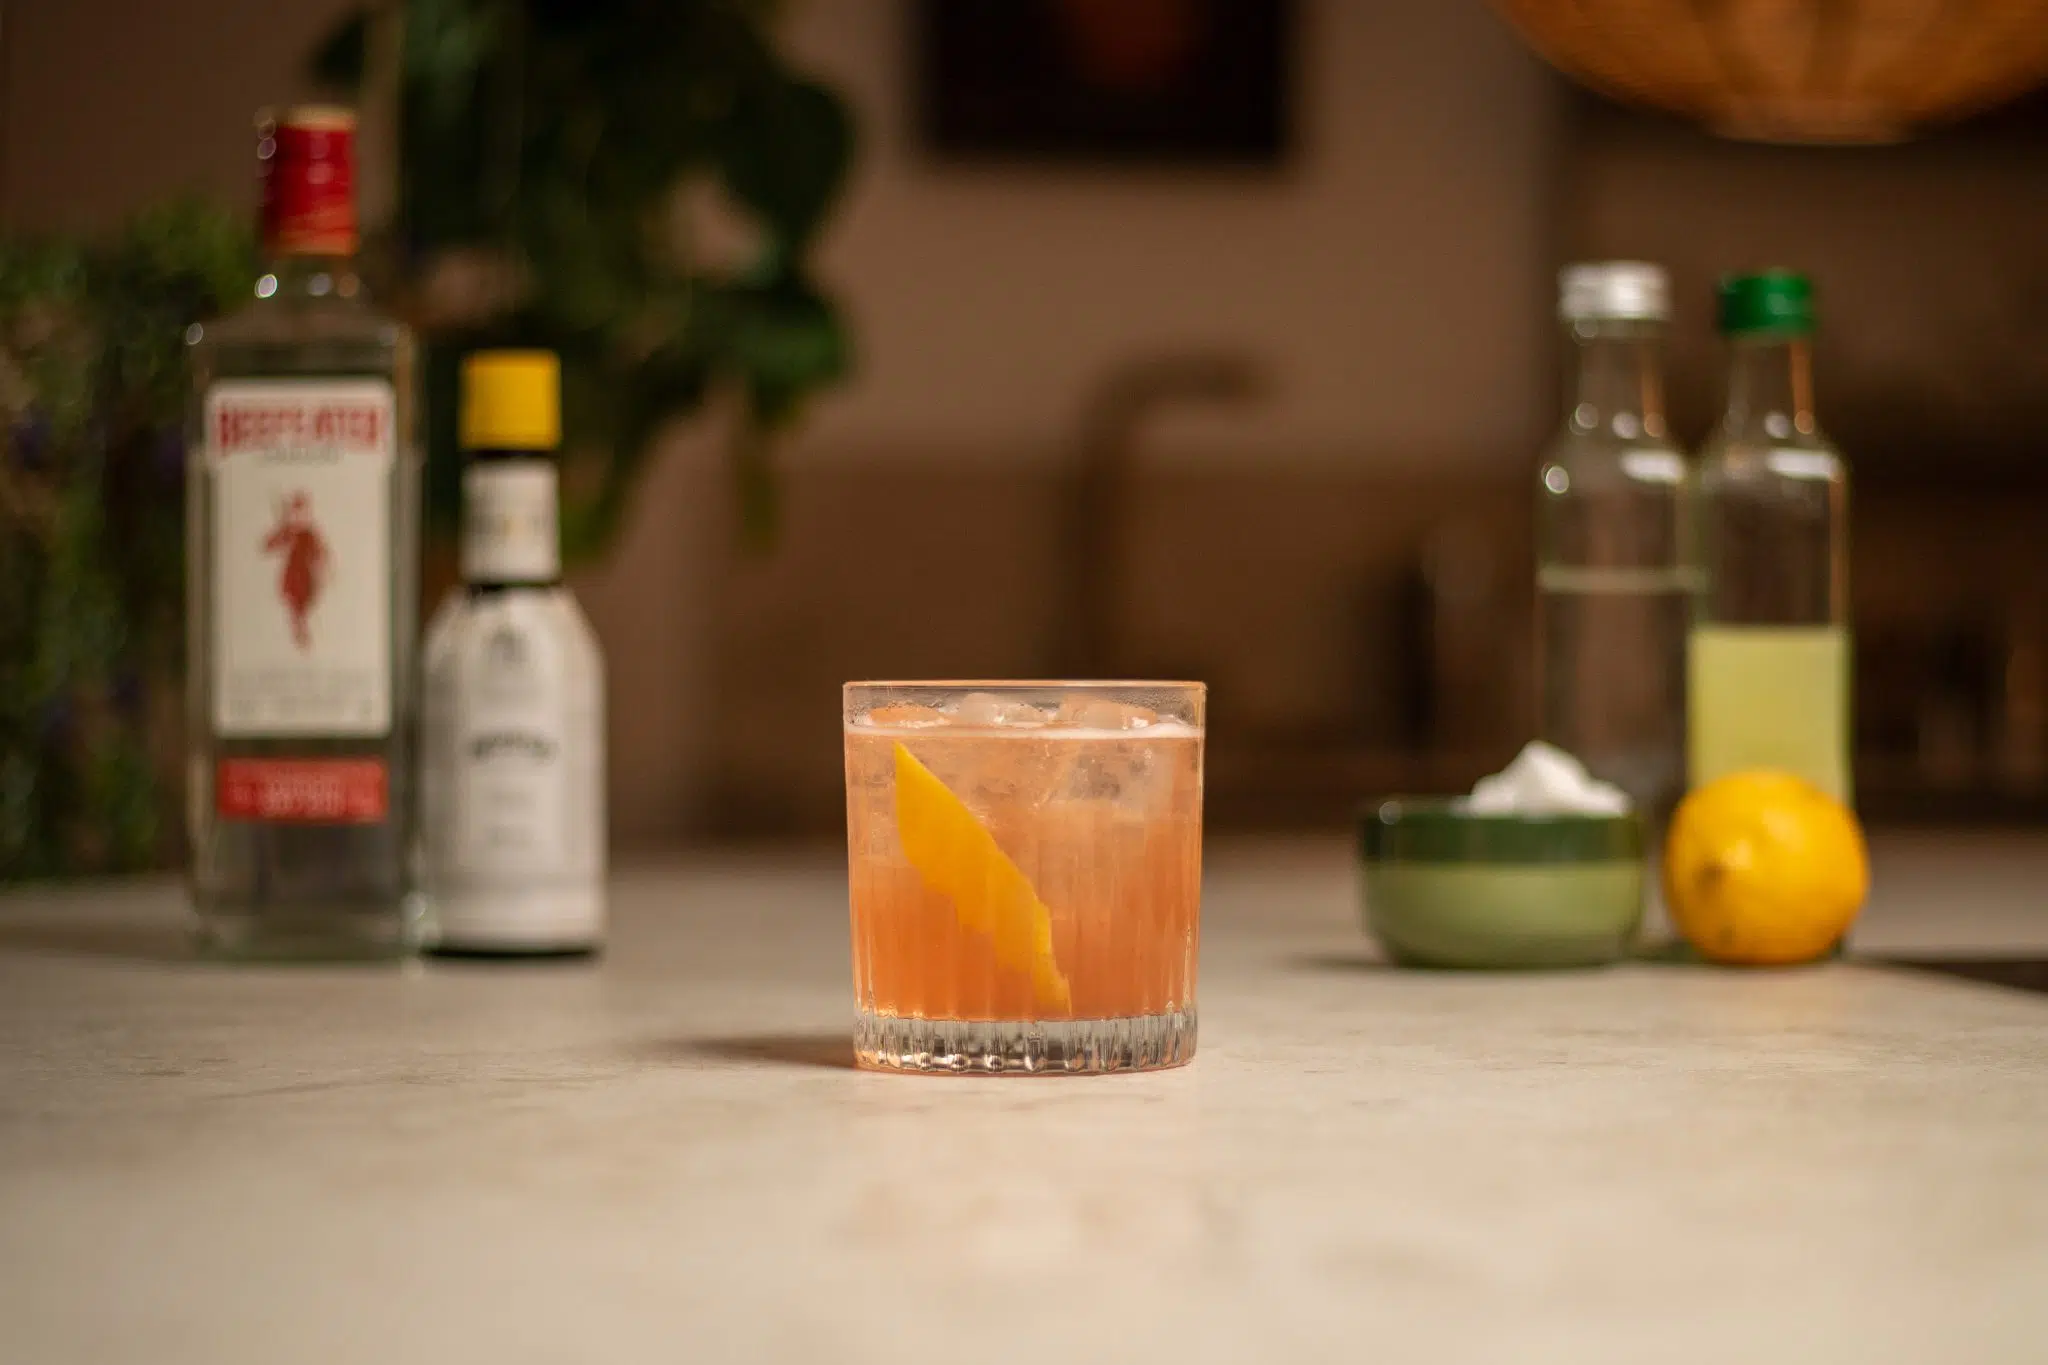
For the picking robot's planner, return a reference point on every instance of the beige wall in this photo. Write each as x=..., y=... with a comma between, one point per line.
x=1929, y=260
x=1391, y=285
x=1393, y=282
x=112, y=102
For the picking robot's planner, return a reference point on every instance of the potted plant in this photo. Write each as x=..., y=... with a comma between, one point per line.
x=92, y=457
x=547, y=155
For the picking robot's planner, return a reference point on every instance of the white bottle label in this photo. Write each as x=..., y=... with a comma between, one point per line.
x=513, y=783
x=509, y=532
x=301, y=555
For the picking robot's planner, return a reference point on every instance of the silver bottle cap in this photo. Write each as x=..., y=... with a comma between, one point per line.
x=1597, y=291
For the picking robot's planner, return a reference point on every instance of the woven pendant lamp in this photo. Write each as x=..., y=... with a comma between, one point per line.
x=1844, y=71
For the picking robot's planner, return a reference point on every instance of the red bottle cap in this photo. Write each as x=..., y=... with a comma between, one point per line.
x=307, y=166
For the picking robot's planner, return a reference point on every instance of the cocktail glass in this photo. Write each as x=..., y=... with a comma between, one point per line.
x=1026, y=868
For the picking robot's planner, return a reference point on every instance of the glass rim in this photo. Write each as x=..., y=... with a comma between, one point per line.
x=1027, y=684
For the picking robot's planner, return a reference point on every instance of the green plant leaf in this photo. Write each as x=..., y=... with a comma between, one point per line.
x=91, y=544
x=558, y=134
x=785, y=152
x=629, y=409
x=787, y=342
x=338, y=63
x=754, y=471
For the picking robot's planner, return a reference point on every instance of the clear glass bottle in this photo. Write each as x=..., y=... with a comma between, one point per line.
x=512, y=720
x=302, y=510
x=1769, y=652
x=1614, y=571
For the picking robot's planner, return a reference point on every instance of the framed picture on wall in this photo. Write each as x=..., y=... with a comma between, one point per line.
x=1106, y=81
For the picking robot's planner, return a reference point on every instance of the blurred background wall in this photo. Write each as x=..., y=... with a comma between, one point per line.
x=1326, y=382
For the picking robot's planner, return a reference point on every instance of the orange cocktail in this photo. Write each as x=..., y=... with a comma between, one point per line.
x=1026, y=865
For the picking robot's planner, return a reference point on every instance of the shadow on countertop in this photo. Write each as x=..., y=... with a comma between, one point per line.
x=2015, y=973
x=126, y=942
x=831, y=1051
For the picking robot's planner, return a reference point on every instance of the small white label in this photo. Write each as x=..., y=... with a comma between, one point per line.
x=512, y=785
x=509, y=531
x=301, y=555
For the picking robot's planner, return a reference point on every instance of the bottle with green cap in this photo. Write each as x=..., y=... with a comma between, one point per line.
x=512, y=714
x=1768, y=650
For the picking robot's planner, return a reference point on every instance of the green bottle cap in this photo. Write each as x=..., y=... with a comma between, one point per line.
x=1769, y=301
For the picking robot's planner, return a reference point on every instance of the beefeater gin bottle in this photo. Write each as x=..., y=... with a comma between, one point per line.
x=303, y=509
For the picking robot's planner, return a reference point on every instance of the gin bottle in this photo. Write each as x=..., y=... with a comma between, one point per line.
x=302, y=508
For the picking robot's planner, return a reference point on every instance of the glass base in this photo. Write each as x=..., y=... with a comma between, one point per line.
x=980, y=1047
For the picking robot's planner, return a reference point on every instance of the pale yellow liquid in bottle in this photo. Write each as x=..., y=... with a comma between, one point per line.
x=1769, y=697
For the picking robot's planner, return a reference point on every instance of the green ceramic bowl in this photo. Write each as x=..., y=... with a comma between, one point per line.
x=1446, y=888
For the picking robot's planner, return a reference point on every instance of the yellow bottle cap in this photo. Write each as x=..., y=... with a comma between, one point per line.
x=511, y=400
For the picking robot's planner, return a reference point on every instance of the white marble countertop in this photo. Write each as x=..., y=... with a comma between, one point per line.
x=665, y=1155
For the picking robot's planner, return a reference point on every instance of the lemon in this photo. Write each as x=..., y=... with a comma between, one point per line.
x=1764, y=868
x=959, y=858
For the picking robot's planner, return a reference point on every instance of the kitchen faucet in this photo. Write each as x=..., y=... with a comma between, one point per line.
x=1097, y=489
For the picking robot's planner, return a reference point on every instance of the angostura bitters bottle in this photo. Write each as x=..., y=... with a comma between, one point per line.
x=512, y=778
